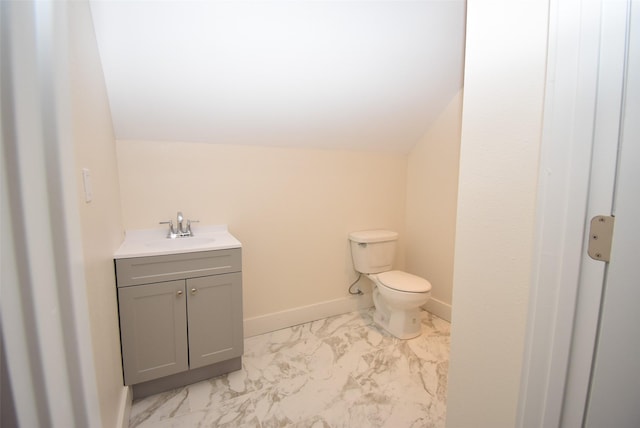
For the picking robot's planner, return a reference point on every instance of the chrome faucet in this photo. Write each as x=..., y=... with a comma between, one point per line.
x=179, y=231
x=180, y=218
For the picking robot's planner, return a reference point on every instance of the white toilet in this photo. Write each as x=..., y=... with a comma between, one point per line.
x=397, y=295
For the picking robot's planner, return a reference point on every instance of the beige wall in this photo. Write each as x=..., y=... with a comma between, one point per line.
x=292, y=209
x=432, y=183
x=501, y=132
x=101, y=220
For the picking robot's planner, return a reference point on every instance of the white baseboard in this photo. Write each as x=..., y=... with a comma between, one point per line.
x=125, y=407
x=279, y=320
x=438, y=308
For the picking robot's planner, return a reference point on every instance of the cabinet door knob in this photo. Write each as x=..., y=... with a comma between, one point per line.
x=194, y=290
x=179, y=293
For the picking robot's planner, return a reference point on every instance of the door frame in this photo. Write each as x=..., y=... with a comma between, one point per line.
x=44, y=318
x=583, y=97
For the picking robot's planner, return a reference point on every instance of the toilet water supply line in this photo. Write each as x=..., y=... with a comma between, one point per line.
x=357, y=292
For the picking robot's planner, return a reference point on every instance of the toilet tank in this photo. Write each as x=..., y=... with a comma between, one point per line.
x=373, y=250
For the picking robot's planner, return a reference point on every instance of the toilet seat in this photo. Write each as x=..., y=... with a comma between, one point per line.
x=403, y=281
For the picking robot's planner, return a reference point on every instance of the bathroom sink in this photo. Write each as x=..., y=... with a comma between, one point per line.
x=154, y=242
x=192, y=241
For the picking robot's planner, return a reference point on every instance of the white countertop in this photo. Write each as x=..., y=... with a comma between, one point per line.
x=154, y=242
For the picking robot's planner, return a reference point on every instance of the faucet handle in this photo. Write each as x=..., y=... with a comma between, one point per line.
x=189, y=226
x=172, y=231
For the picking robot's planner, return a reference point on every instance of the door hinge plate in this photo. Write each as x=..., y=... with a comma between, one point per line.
x=600, y=237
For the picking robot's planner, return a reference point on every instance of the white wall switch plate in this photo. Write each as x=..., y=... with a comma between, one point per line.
x=88, y=189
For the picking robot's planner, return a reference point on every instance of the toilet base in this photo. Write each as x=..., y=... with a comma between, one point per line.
x=403, y=324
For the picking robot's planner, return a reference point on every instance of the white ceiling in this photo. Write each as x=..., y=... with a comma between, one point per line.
x=336, y=74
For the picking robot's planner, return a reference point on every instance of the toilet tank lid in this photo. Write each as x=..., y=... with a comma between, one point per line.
x=369, y=236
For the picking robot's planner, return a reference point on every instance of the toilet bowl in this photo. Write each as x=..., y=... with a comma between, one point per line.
x=397, y=295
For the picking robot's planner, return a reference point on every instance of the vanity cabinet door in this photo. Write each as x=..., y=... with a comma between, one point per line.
x=215, y=318
x=153, y=325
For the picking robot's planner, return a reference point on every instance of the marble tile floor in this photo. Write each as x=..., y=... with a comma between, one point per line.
x=343, y=371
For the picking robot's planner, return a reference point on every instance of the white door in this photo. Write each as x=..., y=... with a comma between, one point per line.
x=614, y=393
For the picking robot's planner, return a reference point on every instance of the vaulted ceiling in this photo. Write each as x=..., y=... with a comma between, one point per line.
x=335, y=74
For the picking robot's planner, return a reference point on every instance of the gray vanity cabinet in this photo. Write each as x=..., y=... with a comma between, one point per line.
x=179, y=325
